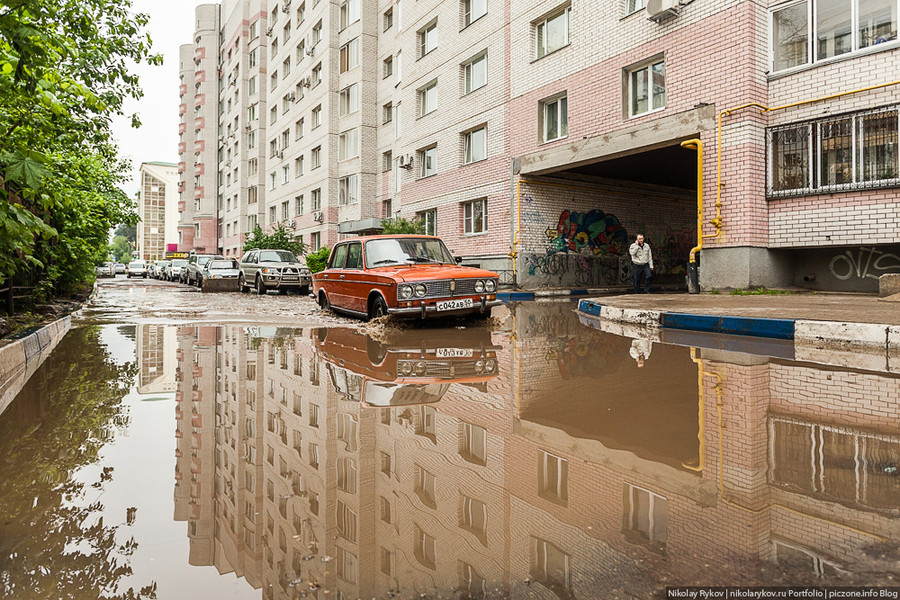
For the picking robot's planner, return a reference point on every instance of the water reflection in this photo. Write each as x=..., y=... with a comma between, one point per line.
x=314, y=461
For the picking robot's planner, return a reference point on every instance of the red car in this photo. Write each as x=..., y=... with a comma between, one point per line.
x=412, y=276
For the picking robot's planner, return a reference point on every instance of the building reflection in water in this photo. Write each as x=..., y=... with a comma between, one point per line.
x=545, y=463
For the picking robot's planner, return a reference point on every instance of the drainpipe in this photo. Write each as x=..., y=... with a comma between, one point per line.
x=693, y=274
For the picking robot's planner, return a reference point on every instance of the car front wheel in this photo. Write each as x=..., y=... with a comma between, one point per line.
x=378, y=308
x=260, y=287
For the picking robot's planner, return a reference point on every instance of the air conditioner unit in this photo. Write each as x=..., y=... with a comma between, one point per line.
x=291, y=225
x=310, y=50
x=269, y=30
x=248, y=127
x=659, y=10
x=406, y=161
x=318, y=216
x=306, y=82
x=279, y=153
x=291, y=96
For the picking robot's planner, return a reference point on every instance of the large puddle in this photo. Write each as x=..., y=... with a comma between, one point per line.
x=548, y=460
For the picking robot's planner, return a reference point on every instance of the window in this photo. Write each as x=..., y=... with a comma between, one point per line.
x=475, y=145
x=425, y=487
x=301, y=52
x=346, y=522
x=253, y=57
x=553, y=32
x=475, y=73
x=349, y=189
x=427, y=39
x=647, y=87
x=316, y=116
x=550, y=567
x=424, y=550
x=428, y=98
x=298, y=210
x=298, y=129
x=397, y=120
x=298, y=166
x=386, y=463
x=273, y=148
x=427, y=423
x=349, y=100
x=387, y=113
x=317, y=203
x=273, y=214
x=852, y=151
x=553, y=477
x=348, y=144
x=251, y=139
x=474, y=585
x=317, y=33
x=387, y=559
x=273, y=182
x=387, y=159
x=317, y=75
x=646, y=515
x=349, y=13
x=254, y=30
x=252, y=167
x=554, y=119
x=350, y=55
x=387, y=67
x=301, y=13
x=386, y=510
x=286, y=32
x=473, y=446
x=473, y=10
x=285, y=138
x=251, y=112
x=634, y=6
x=285, y=177
x=315, y=157
x=347, y=475
x=429, y=219
x=428, y=161
x=475, y=216
x=388, y=19
x=273, y=80
x=814, y=30
x=273, y=50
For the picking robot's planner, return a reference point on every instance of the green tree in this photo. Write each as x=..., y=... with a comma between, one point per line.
x=63, y=74
x=121, y=249
x=128, y=231
x=279, y=239
x=399, y=225
x=316, y=261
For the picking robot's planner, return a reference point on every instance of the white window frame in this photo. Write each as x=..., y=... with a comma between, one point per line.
x=427, y=40
x=633, y=71
x=562, y=126
x=473, y=10
x=349, y=100
x=348, y=144
x=469, y=72
x=428, y=155
x=540, y=28
x=469, y=217
x=428, y=98
x=348, y=190
x=633, y=6
x=470, y=145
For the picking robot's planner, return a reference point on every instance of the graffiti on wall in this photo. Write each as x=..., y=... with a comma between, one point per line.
x=594, y=231
x=866, y=263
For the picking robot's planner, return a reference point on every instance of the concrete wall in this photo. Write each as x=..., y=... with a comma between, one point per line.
x=20, y=358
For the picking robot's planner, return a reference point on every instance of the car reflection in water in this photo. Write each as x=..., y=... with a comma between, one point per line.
x=408, y=367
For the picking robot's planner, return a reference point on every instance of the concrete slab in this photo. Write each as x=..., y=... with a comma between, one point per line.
x=889, y=284
x=848, y=336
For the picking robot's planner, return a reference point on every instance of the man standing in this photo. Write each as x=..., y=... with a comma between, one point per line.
x=642, y=264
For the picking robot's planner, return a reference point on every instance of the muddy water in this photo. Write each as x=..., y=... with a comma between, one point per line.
x=546, y=460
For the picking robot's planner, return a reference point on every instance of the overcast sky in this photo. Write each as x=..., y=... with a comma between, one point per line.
x=171, y=24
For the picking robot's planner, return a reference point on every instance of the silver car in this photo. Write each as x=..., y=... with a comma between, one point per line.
x=264, y=270
x=220, y=268
x=137, y=268
x=173, y=271
x=190, y=273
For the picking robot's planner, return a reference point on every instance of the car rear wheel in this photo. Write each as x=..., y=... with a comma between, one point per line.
x=378, y=308
x=242, y=285
x=260, y=287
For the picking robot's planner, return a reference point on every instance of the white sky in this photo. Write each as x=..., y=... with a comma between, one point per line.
x=171, y=25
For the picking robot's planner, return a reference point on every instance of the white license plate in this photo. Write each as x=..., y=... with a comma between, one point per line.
x=454, y=304
x=289, y=278
x=454, y=352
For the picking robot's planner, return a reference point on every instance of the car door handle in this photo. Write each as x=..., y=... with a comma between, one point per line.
x=324, y=276
x=342, y=276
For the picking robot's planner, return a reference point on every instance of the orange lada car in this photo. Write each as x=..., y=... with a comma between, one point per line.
x=412, y=276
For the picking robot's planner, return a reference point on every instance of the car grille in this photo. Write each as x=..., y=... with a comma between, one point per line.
x=289, y=271
x=443, y=368
x=441, y=289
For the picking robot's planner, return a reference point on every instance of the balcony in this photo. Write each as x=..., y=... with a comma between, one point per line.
x=199, y=77
x=182, y=108
x=181, y=206
x=199, y=168
x=182, y=89
x=199, y=146
x=199, y=53
x=199, y=123
x=181, y=167
x=181, y=147
x=182, y=127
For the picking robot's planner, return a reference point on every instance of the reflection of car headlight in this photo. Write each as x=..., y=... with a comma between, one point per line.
x=490, y=285
x=489, y=366
x=479, y=366
x=479, y=286
x=405, y=291
x=404, y=368
x=420, y=368
x=420, y=290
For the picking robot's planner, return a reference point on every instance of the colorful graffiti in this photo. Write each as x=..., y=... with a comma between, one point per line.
x=602, y=233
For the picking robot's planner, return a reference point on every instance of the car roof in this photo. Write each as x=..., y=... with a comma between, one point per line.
x=366, y=238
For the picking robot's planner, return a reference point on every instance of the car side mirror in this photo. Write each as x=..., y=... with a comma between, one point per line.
x=458, y=259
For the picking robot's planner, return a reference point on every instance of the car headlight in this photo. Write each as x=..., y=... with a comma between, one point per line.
x=479, y=366
x=489, y=366
x=479, y=286
x=490, y=285
x=420, y=368
x=404, y=368
x=405, y=292
x=420, y=290
x=270, y=270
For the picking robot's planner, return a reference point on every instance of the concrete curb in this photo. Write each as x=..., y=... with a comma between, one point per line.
x=864, y=346
x=560, y=293
x=20, y=358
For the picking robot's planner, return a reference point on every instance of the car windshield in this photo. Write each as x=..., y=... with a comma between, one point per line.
x=389, y=251
x=179, y=263
x=137, y=265
x=277, y=256
x=221, y=264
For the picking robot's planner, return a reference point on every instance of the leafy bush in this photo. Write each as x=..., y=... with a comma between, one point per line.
x=316, y=261
x=279, y=239
x=400, y=225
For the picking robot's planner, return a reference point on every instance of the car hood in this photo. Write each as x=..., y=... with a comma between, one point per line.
x=281, y=265
x=429, y=272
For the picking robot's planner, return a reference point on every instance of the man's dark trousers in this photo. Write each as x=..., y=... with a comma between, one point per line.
x=641, y=270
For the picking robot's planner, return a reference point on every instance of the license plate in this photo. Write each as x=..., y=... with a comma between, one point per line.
x=454, y=352
x=454, y=304
x=289, y=278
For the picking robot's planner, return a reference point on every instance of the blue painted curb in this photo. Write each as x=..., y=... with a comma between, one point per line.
x=779, y=329
x=513, y=296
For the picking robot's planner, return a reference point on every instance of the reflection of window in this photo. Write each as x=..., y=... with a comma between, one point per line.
x=550, y=566
x=313, y=456
x=386, y=510
x=553, y=477
x=346, y=522
x=851, y=467
x=386, y=463
x=313, y=415
x=473, y=517
x=473, y=446
x=646, y=515
x=347, y=475
x=347, y=431
x=387, y=561
x=424, y=550
x=799, y=559
x=425, y=487
x=427, y=422
x=472, y=583
x=346, y=565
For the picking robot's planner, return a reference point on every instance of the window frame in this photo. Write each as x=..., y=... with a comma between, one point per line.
x=543, y=117
x=541, y=50
x=648, y=66
x=423, y=36
x=424, y=93
x=468, y=72
x=468, y=155
x=466, y=6
x=423, y=161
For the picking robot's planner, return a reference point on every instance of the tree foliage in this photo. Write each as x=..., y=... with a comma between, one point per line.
x=63, y=75
x=316, y=261
x=121, y=249
x=279, y=239
x=128, y=231
x=399, y=225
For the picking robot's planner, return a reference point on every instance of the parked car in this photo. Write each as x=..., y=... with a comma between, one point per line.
x=412, y=276
x=226, y=269
x=160, y=268
x=190, y=273
x=137, y=268
x=265, y=270
x=121, y=269
x=173, y=271
x=106, y=269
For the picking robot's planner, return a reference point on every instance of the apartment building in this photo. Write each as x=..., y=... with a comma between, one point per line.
x=539, y=138
x=157, y=209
